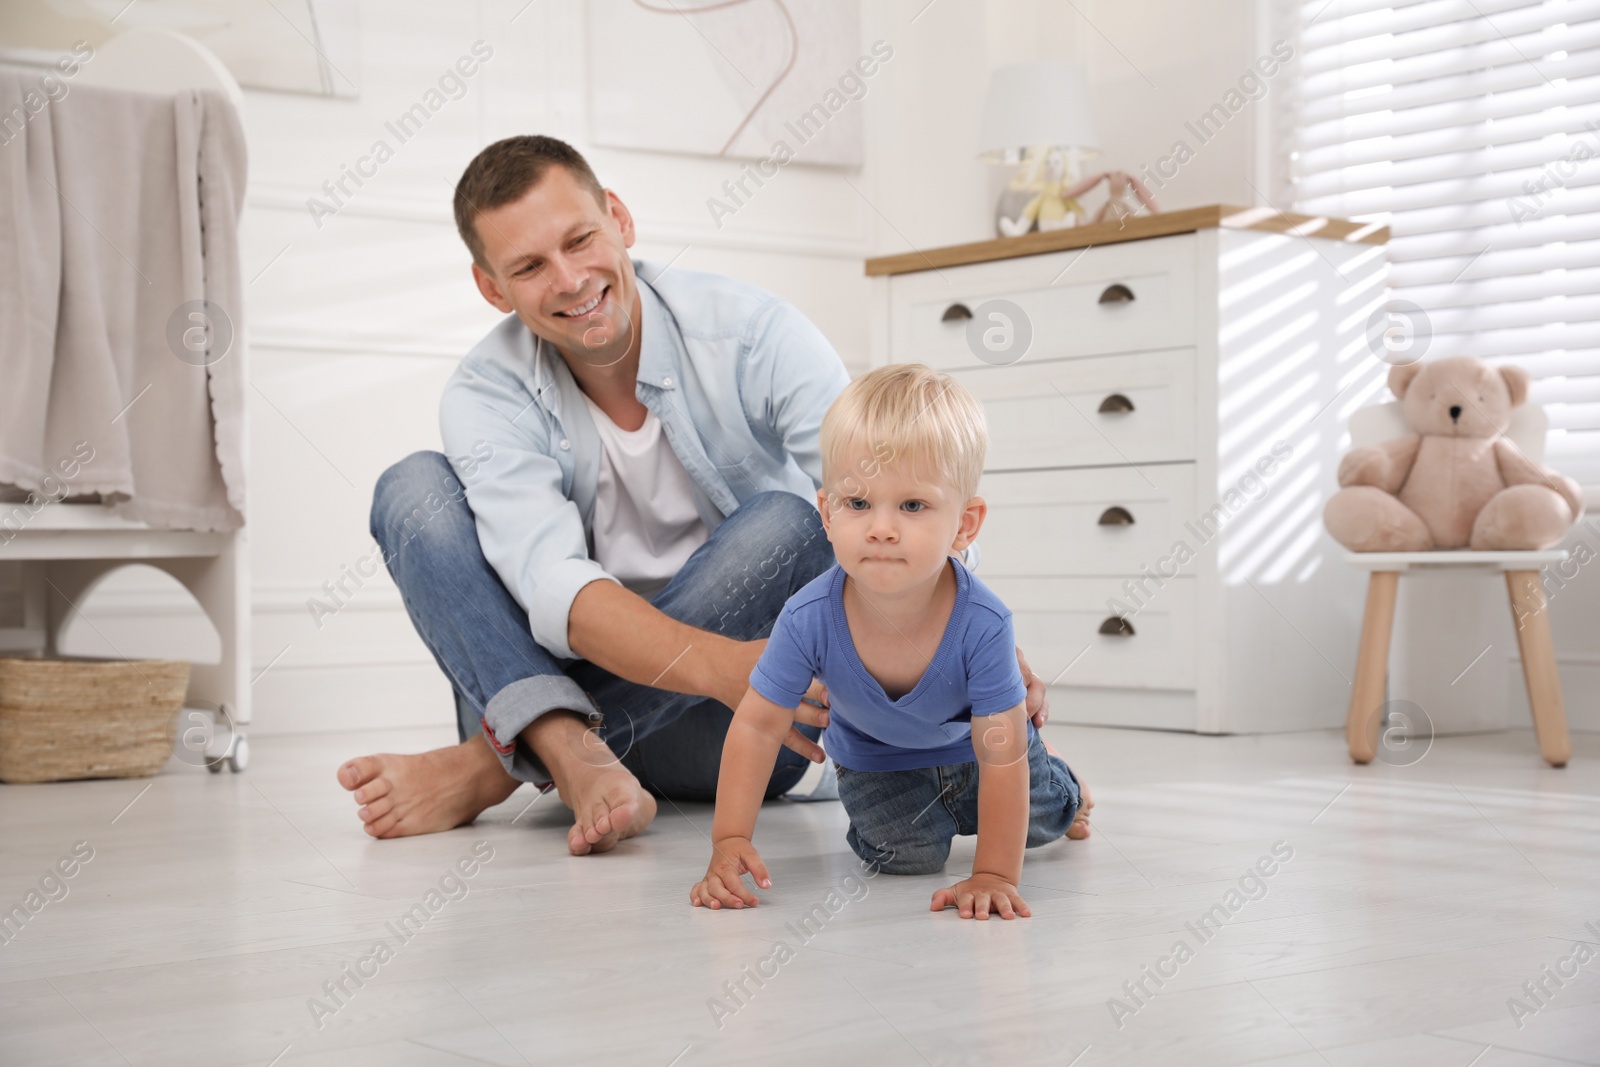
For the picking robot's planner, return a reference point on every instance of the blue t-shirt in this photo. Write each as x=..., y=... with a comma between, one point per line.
x=974, y=672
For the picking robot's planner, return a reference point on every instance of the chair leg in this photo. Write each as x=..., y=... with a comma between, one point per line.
x=1531, y=616
x=220, y=585
x=1372, y=667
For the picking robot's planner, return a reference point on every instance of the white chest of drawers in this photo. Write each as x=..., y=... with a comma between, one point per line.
x=1160, y=453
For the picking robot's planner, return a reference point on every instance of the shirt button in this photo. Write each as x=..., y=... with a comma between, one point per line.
x=666, y=381
x=565, y=444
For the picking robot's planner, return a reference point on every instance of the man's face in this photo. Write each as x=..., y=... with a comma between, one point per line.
x=560, y=261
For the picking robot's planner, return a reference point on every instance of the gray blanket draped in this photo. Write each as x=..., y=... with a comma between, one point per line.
x=119, y=281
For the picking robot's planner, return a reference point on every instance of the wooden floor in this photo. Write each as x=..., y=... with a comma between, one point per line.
x=1415, y=903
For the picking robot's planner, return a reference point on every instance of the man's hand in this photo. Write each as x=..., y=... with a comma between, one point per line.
x=813, y=715
x=975, y=897
x=722, y=886
x=1037, y=703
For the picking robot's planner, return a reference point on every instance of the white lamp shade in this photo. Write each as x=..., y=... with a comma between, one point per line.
x=1043, y=103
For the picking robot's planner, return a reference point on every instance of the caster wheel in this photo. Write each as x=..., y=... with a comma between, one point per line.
x=239, y=758
x=215, y=768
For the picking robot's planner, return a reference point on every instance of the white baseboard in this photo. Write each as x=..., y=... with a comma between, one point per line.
x=370, y=671
x=364, y=669
x=333, y=699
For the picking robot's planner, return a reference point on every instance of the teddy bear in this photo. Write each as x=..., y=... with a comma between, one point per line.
x=1456, y=481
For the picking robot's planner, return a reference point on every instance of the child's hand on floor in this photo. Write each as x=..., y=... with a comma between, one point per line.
x=980, y=894
x=722, y=886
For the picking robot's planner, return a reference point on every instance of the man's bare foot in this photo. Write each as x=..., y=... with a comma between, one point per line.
x=608, y=805
x=428, y=792
x=1080, y=822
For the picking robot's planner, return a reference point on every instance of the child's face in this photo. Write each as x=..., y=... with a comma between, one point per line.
x=893, y=528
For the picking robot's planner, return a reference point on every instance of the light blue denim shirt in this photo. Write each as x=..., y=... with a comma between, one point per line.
x=712, y=349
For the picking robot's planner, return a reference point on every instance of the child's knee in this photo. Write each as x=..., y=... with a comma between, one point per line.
x=921, y=861
x=922, y=858
x=915, y=857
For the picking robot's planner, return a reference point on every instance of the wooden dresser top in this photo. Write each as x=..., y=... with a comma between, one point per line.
x=1137, y=228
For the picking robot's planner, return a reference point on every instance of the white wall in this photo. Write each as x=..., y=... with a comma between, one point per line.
x=356, y=324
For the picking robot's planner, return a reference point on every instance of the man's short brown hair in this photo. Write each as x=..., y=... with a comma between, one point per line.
x=502, y=173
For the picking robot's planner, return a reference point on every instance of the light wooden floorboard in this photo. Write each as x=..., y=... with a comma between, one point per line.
x=1417, y=902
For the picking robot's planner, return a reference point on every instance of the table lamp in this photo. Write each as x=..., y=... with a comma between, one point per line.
x=1041, y=115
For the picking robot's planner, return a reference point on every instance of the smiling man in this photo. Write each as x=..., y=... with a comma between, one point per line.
x=625, y=507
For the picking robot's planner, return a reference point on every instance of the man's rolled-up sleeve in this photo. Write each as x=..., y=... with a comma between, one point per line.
x=531, y=534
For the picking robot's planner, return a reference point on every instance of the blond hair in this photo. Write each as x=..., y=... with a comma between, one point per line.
x=906, y=411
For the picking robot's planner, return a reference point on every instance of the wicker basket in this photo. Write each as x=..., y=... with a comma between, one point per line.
x=87, y=718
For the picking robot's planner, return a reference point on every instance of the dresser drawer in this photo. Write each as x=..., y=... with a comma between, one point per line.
x=1112, y=298
x=1093, y=521
x=1088, y=412
x=1058, y=620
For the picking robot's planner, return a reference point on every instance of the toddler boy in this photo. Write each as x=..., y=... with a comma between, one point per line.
x=927, y=724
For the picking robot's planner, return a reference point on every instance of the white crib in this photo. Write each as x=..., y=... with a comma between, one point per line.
x=69, y=548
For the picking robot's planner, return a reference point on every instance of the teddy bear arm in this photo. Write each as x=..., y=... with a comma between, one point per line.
x=1383, y=466
x=1515, y=466
x=1361, y=466
x=1402, y=452
x=1517, y=469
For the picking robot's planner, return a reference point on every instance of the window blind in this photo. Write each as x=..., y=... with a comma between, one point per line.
x=1472, y=129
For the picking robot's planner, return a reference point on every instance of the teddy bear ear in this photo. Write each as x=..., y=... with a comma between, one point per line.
x=1517, y=381
x=1401, y=377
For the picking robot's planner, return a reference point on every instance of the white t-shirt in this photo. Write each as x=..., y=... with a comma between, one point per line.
x=645, y=522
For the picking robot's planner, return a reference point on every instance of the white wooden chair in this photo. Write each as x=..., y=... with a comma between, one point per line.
x=1530, y=615
x=69, y=548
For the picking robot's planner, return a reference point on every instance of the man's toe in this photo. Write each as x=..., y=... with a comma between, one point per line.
x=599, y=822
x=623, y=815
x=606, y=844
x=353, y=774
x=383, y=827
x=376, y=810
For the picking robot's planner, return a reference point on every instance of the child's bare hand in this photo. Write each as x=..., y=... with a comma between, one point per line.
x=977, y=896
x=722, y=886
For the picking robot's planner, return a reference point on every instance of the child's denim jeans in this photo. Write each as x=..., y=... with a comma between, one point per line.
x=903, y=821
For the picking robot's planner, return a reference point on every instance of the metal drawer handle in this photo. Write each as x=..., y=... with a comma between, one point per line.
x=1117, y=626
x=1115, y=404
x=956, y=313
x=1116, y=515
x=1117, y=293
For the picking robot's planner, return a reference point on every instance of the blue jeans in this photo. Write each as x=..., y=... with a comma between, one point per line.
x=733, y=585
x=903, y=821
